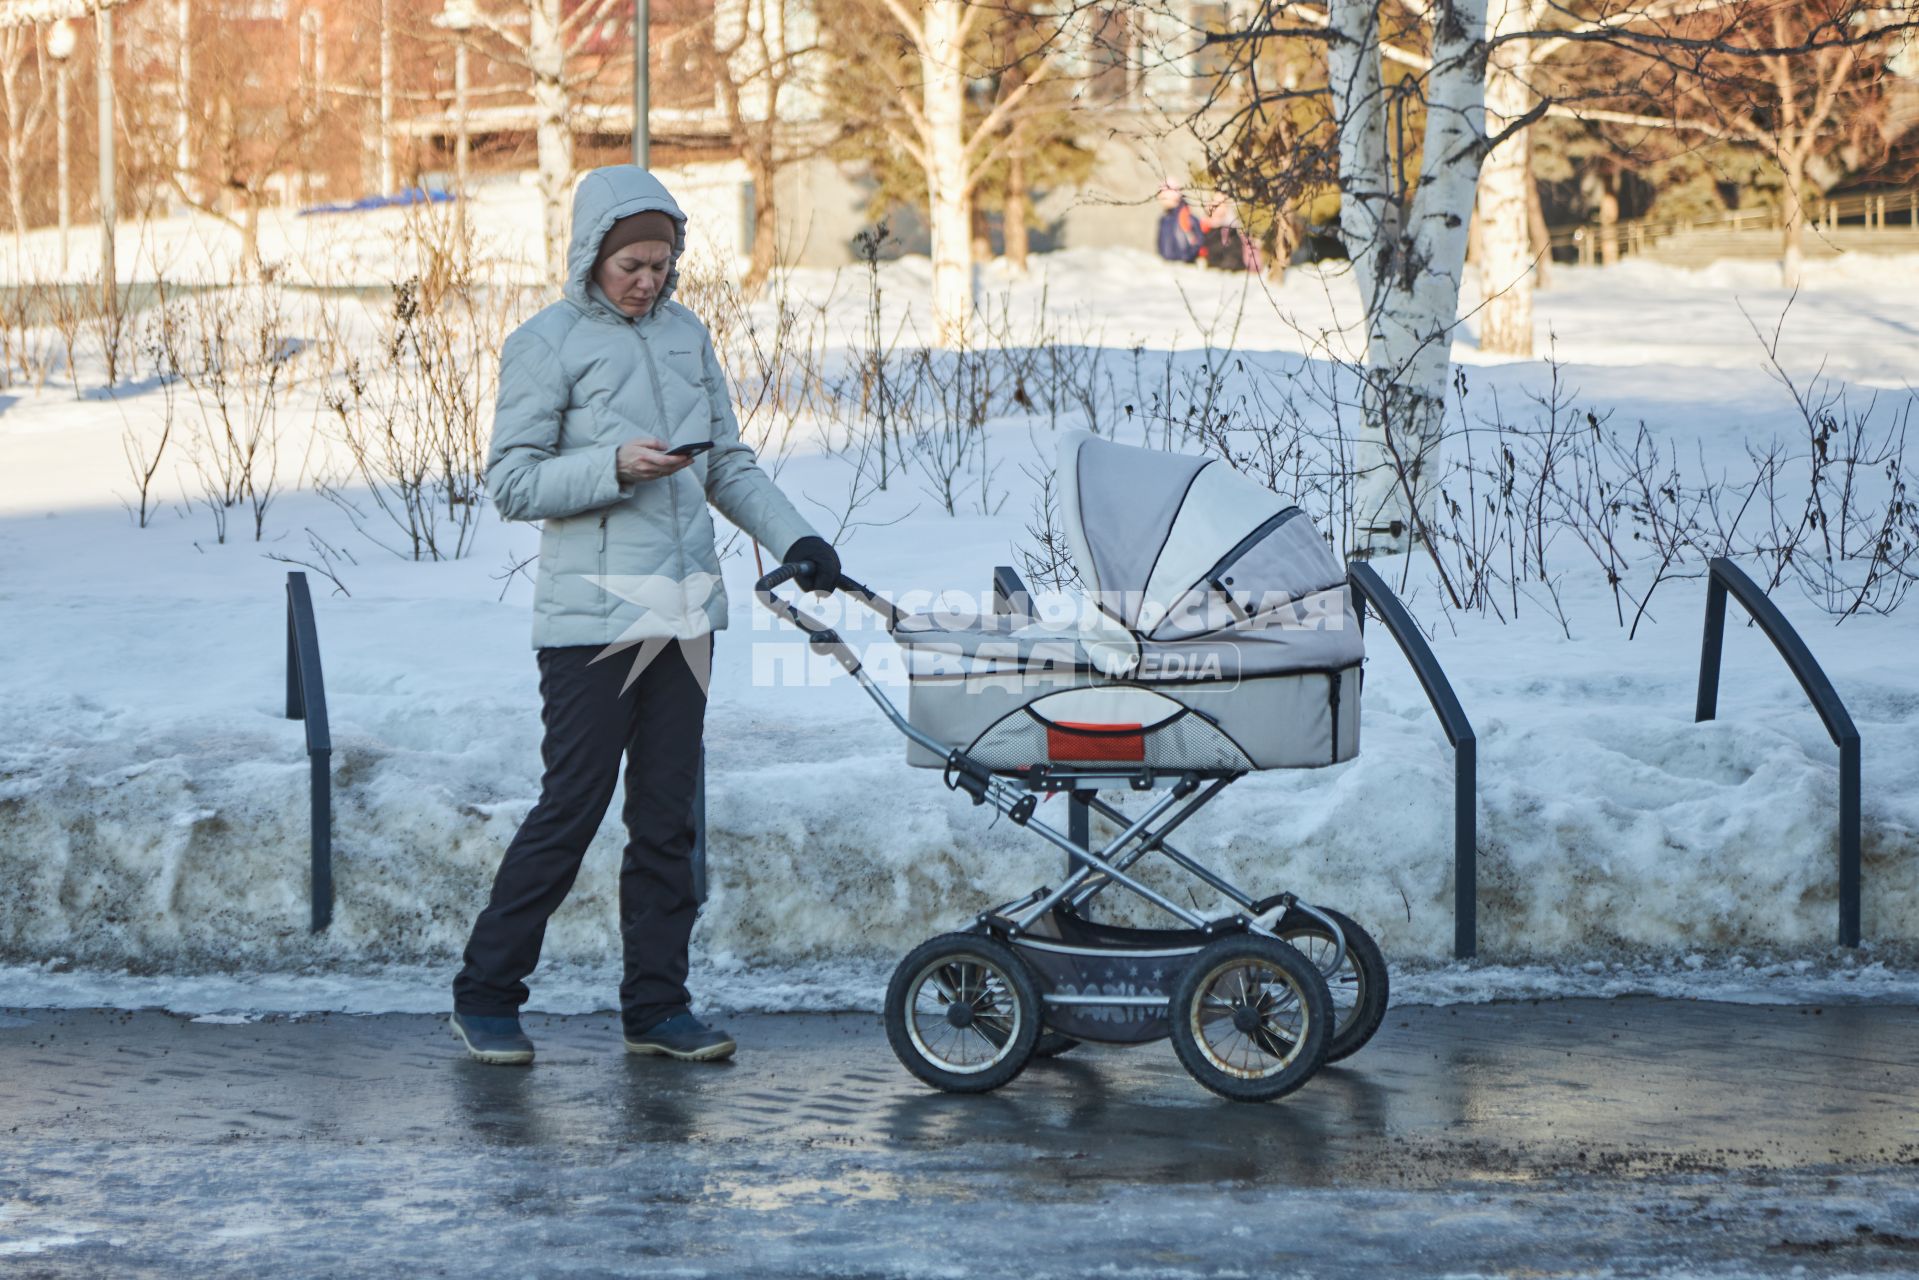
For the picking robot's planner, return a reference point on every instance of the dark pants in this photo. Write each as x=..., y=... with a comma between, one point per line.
x=657, y=722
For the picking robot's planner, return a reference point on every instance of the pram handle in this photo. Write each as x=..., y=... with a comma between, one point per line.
x=785, y=573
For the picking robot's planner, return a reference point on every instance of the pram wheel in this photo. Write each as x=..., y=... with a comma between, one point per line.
x=1359, y=986
x=1052, y=1044
x=963, y=1013
x=1251, y=1018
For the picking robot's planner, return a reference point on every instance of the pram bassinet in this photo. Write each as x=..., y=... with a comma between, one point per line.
x=1216, y=633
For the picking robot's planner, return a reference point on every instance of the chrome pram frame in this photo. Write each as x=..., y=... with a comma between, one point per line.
x=1343, y=948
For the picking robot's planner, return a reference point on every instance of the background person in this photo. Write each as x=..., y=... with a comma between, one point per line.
x=1179, y=229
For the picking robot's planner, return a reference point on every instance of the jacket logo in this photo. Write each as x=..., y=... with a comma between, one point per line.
x=679, y=353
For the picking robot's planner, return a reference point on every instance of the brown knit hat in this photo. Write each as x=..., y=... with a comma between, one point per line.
x=650, y=225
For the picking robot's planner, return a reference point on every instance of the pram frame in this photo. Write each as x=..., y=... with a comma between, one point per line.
x=1093, y=872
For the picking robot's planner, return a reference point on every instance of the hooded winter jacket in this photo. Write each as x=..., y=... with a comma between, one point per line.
x=623, y=561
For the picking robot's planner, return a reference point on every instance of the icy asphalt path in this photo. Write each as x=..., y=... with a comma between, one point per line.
x=1628, y=1137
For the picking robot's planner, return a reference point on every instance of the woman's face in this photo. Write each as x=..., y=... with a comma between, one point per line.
x=633, y=277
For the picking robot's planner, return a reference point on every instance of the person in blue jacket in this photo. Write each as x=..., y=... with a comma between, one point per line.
x=615, y=430
x=1180, y=235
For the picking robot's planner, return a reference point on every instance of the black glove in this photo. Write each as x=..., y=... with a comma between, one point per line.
x=825, y=561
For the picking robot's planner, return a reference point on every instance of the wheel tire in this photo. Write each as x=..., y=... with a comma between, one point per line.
x=1053, y=1043
x=1360, y=987
x=971, y=1052
x=1240, y=1064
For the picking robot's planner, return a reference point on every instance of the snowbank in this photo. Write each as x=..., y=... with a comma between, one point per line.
x=153, y=807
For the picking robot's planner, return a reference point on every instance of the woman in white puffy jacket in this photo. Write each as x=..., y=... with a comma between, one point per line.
x=615, y=429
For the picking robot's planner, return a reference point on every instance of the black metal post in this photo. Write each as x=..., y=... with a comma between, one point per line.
x=1466, y=848
x=320, y=838
x=1372, y=590
x=306, y=700
x=699, y=832
x=1725, y=577
x=1713, y=641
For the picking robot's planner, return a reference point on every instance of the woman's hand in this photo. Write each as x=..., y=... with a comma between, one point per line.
x=645, y=458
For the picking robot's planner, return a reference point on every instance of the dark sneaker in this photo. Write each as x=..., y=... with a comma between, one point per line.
x=492, y=1039
x=682, y=1036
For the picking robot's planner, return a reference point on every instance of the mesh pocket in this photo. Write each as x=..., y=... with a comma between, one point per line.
x=1186, y=741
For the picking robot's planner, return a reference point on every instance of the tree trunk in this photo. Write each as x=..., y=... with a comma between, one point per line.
x=766, y=242
x=943, y=104
x=1792, y=258
x=1408, y=274
x=1505, y=181
x=546, y=52
x=1541, y=234
x=250, y=234
x=982, y=233
x=16, y=145
x=1014, y=229
x=1609, y=218
x=17, y=192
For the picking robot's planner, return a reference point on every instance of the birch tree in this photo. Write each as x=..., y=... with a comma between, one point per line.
x=1506, y=183
x=26, y=89
x=554, y=33
x=931, y=126
x=1408, y=250
x=762, y=51
x=1790, y=81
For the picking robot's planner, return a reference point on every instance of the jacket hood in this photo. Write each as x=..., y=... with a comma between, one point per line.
x=603, y=197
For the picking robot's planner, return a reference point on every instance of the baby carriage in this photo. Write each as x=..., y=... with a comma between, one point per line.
x=1217, y=637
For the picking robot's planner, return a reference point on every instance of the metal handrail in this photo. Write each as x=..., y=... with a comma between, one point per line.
x=1372, y=590
x=306, y=700
x=1726, y=577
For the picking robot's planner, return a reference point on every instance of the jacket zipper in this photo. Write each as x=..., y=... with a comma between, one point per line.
x=672, y=491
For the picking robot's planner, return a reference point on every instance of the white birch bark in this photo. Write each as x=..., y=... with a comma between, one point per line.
x=1409, y=266
x=546, y=59
x=1505, y=187
x=943, y=104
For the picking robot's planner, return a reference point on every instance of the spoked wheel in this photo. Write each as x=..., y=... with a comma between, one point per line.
x=1251, y=1018
x=1053, y=1043
x=962, y=1013
x=1358, y=984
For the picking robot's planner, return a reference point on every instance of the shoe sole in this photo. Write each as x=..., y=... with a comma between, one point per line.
x=498, y=1057
x=711, y=1053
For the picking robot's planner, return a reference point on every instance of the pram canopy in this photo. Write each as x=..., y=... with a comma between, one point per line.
x=1177, y=549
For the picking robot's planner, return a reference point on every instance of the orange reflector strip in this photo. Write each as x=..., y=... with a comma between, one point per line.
x=1070, y=740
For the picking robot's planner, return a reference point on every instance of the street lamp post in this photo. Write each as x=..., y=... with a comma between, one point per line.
x=459, y=18
x=109, y=206
x=60, y=44
x=642, y=148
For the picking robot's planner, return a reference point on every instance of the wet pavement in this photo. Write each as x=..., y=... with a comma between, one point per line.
x=1621, y=1137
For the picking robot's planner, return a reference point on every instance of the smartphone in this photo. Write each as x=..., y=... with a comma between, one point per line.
x=691, y=450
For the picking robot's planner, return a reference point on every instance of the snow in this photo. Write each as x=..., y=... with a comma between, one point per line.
x=153, y=802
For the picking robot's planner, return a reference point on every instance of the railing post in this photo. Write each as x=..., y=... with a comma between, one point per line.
x=1723, y=578
x=306, y=700
x=1710, y=648
x=1371, y=589
x=1466, y=849
x=1849, y=875
x=294, y=710
x=699, y=831
x=320, y=830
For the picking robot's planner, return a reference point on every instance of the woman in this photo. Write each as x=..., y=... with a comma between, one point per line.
x=596, y=393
